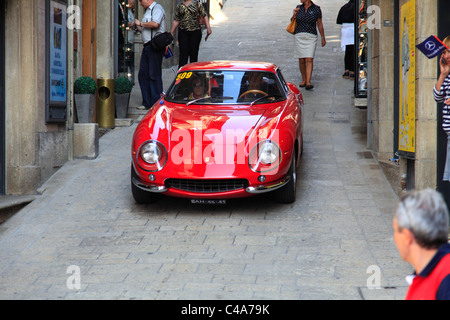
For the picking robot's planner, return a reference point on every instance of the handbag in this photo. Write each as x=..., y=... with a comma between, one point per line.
x=200, y=19
x=292, y=25
x=161, y=40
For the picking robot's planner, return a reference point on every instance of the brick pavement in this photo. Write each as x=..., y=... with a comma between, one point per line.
x=320, y=247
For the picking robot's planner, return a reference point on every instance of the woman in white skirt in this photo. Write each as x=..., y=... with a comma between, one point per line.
x=309, y=19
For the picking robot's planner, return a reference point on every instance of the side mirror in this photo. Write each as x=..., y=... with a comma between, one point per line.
x=293, y=87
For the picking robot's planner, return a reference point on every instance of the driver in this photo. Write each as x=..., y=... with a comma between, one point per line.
x=252, y=87
x=255, y=81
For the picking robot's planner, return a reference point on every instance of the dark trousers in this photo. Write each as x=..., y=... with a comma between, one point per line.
x=189, y=45
x=150, y=76
x=350, y=57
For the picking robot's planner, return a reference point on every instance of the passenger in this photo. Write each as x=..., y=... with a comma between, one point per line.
x=198, y=90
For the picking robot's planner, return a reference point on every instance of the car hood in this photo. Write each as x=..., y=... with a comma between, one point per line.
x=210, y=122
x=172, y=125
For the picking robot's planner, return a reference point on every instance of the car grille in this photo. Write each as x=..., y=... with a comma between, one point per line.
x=207, y=186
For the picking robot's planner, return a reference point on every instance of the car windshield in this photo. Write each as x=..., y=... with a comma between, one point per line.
x=225, y=87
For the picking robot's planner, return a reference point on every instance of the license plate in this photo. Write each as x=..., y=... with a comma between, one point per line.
x=208, y=201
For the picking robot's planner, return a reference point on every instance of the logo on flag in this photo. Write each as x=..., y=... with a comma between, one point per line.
x=431, y=47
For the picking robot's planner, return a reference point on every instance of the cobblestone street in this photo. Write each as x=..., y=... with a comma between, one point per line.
x=326, y=245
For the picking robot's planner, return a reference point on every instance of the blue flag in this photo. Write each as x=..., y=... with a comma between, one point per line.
x=432, y=47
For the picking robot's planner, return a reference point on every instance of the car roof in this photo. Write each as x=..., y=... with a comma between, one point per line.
x=230, y=65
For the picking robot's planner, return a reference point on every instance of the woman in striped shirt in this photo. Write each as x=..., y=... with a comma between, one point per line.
x=441, y=93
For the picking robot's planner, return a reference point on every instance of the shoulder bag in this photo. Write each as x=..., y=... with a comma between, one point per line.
x=161, y=40
x=292, y=25
x=201, y=20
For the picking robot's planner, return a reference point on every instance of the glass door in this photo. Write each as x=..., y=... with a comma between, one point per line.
x=126, y=34
x=361, y=49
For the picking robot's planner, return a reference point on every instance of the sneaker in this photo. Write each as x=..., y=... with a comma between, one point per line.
x=141, y=108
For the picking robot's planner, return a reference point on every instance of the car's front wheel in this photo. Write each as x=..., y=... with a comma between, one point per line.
x=142, y=196
x=287, y=193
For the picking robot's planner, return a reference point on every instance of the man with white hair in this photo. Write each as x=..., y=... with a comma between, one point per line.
x=150, y=70
x=421, y=234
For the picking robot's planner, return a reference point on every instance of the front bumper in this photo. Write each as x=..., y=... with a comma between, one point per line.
x=252, y=190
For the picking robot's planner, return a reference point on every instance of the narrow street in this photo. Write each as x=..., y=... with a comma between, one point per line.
x=334, y=242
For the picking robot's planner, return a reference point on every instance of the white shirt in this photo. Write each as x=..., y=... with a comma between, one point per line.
x=153, y=13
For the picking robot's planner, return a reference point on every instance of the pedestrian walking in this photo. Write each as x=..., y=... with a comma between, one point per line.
x=421, y=233
x=441, y=93
x=309, y=19
x=150, y=71
x=188, y=14
x=346, y=18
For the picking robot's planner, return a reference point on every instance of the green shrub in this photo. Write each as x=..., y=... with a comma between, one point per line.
x=85, y=85
x=122, y=85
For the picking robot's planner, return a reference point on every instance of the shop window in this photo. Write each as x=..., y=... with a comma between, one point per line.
x=361, y=47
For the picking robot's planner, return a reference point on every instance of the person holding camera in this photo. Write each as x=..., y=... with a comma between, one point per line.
x=441, y=93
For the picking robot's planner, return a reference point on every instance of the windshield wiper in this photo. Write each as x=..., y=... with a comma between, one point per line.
x=206, y=98
x=261, y=98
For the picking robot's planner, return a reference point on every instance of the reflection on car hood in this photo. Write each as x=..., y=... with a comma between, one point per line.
x=234, y=122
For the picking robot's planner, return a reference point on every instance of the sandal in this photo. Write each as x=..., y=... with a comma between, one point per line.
x=346, y=75
x=309, y=87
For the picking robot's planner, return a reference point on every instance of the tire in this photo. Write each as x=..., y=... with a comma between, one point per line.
x=287, y=193
x=141, y=196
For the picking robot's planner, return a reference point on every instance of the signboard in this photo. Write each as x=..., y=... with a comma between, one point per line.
x=57, y=62
x=407, y=105
x=432, y=47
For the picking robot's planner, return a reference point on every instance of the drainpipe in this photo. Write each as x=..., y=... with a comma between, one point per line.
x=70, y=81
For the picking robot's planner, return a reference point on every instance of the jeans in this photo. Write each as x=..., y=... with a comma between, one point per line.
x=150, y=76
x=189, y=45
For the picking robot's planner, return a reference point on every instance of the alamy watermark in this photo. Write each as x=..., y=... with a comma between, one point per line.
x=74, y=280
x=374, y=280
x=74, y=17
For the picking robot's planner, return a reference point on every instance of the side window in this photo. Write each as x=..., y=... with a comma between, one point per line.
x=283, y=82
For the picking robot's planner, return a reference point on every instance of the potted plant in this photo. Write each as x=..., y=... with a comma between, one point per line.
x=85, y=88
x=122, y=90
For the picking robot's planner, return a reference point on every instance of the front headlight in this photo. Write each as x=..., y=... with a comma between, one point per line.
x=152, y=156
x=269, y=153
x=265, y=156
x=151, y=153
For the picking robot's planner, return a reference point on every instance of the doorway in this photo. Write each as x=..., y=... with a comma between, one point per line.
x=89, y=48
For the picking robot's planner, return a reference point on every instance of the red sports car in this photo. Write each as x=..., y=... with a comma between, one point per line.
x=225, y=129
